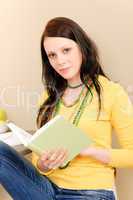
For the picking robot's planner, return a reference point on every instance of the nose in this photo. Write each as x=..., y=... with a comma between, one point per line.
x=61, y=59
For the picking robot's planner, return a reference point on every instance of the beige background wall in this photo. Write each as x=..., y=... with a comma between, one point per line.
x=108, y=22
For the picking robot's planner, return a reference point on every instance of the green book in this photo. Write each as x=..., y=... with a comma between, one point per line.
x=56, y=133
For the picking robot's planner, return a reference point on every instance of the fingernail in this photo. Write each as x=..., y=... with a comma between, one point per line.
x=52, y=158
x=55, y=167
x=50, y=166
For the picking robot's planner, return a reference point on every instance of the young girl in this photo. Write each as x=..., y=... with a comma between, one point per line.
x=77, y=88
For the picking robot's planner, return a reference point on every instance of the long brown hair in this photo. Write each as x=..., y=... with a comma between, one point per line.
x=55, y=84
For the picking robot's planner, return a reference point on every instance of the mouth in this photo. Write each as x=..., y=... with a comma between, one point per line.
x=64, y=69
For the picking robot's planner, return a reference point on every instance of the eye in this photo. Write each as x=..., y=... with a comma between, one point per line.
x=51, y=56
x=66, y=50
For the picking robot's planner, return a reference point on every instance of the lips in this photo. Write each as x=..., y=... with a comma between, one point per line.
x=64, y=70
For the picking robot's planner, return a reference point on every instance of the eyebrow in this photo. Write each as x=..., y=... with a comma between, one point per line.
x=61, y=48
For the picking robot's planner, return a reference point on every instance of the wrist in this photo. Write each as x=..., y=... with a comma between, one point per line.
x=92, y=151
x=88, y=152
x=102, y=155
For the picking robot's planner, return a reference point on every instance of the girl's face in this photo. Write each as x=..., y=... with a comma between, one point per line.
x=64, y=56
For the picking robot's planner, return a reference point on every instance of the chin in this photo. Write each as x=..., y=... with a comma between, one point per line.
x=67, y=77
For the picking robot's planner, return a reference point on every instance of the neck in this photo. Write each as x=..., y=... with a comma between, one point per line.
x=74, y=81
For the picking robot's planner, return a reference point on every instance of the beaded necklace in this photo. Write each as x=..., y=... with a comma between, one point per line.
x=78, y=114
x=75, y=102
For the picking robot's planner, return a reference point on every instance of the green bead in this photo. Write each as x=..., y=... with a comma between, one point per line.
x=79, y=111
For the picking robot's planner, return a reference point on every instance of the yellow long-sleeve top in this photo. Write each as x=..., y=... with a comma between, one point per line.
x=117, y=113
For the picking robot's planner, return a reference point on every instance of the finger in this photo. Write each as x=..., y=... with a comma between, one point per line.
x=60, y=159
x=59, y=164
x=59, y=153
x=47, y=154
x=52, y=158
x=55, y=154
x=62, y=156
x=45, y=158
x=46, y=164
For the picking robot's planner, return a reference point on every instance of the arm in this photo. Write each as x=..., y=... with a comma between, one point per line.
x=122, y=121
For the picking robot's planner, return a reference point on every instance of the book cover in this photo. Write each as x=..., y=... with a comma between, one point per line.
x=56, y=133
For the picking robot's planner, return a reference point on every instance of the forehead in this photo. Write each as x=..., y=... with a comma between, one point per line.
x=55, y=43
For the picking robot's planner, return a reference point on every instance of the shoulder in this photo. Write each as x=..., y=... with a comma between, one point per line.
x=42, y=97
x=113, y=93
x=110, y=86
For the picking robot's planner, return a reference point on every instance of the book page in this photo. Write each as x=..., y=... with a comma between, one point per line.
x=22, y=135
x=10, y=138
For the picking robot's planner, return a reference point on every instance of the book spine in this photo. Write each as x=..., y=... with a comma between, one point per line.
x=34, y=148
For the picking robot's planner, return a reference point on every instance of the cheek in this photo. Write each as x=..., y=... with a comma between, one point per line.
x=77, y=61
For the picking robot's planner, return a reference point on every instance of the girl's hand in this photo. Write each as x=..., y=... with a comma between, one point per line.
x=102, y=155
x=52, y=159
x=87, y=152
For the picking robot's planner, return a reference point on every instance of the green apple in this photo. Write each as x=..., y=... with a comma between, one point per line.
x=3, y=115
